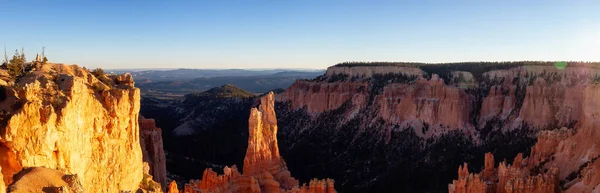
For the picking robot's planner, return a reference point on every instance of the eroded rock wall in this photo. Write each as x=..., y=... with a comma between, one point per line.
x=536, y=96
x=573, y=150
x=152, y=150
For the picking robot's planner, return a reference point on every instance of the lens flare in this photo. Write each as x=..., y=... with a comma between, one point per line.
x=560, y=65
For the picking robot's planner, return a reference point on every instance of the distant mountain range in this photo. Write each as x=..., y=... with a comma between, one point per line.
x=176, y=83
x=156, y=75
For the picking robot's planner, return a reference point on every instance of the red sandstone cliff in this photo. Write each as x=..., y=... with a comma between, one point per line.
x=539, y=96
x=573, y=150
x=551, y=97
x=152, y=150
x=264, y=170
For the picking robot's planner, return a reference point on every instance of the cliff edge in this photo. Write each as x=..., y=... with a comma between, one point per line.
x=64, y=118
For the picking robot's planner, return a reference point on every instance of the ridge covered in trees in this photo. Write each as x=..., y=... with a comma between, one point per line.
x=222, y=92
x=475, y=68
x=460, y=65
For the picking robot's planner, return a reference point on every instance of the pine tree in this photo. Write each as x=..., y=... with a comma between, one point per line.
x=98, y=73
x=16, y=64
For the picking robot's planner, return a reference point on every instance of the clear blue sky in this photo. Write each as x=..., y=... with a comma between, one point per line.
x=298, y=34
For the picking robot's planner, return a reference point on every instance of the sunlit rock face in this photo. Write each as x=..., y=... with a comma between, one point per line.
x=173, y=187
x=264, y=169
x=62, y=117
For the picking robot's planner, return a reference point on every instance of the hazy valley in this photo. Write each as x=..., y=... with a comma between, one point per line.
x=168, y=84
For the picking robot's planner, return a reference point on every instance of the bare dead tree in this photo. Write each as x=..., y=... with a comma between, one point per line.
x=5, y=55
x=23, y=59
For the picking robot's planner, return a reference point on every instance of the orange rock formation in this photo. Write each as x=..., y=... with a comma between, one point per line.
x=504, y=179
x=63, y=117
x=173, y=187
x=264, y=169
x=152, y=150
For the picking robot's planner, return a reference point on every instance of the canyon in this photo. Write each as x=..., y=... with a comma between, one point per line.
x=264, y=170
x=407, y=126
x=404, y=127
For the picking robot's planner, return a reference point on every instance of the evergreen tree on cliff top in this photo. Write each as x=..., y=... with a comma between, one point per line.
x=16, y=65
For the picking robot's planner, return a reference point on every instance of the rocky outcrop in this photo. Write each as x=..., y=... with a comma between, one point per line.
x=264, y=170
x=152, y=150
x=318, y=186
x=173, y=187
x=504, y=179
x=148, y=184
x=37, y=179
x=64, y=118
x=547, y=144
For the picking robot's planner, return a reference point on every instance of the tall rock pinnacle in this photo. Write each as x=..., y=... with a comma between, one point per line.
x=262, y=141
x=264, y=170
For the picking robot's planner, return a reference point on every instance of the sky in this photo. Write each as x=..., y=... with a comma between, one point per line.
x=315, y=34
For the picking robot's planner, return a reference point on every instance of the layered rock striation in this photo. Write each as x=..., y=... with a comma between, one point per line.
x=264, y=170
x=539, y=96
x=64, y=118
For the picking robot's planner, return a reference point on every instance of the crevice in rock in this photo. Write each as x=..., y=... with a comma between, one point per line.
x=8, y=162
